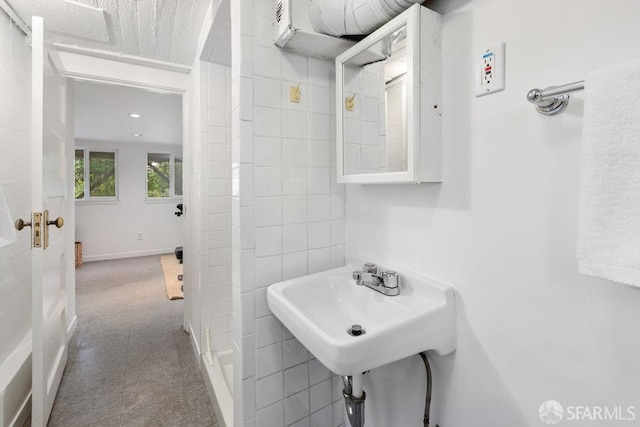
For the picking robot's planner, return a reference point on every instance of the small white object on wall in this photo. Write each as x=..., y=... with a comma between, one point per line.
x=7, y=230
x=489, y=70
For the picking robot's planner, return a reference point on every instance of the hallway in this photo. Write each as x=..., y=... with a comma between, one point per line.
x=130, y=362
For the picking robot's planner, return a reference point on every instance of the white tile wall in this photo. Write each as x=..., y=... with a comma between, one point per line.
x=294, y=152
x=296, y=407
x=268, y=360
x=267, y=151
x=271, y=416
x=282, y=152
x=318, y=372
x=294, y=265
x=294, y=237
x=321, y=395
x=215, y=182
x=267, y=270
x=269, y=390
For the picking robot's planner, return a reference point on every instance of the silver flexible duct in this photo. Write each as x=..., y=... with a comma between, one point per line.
x=354, y=17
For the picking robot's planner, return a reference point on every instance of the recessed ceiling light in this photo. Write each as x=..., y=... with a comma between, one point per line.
x=134, y=115
x=136, y=134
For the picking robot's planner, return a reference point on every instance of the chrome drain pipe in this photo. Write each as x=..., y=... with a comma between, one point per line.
x=348, y=385
x=427, y=403
x=354, y=405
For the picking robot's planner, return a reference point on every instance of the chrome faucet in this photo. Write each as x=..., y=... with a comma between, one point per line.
x=384, y=282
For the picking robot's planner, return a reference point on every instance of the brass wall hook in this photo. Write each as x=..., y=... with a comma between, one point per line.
x=350, y=102
x=294, y=93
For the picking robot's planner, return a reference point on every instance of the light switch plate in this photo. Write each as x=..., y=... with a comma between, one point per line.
x=489, y=70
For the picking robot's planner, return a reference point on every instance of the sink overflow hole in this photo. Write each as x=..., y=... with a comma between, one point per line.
x=356, y=331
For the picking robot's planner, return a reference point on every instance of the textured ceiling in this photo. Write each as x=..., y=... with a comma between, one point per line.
x=218, y=46
x=163, y=30
x=102, y=114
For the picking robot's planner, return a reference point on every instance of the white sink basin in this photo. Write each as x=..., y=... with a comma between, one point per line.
x=320, y=308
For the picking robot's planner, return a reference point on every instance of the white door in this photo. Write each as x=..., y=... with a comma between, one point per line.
x=50, y=257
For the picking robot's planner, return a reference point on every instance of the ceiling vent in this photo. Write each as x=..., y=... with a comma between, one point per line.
x=354, y=17
x=293, y=31
x=279, y=8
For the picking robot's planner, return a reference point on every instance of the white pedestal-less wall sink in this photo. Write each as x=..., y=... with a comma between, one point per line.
x=320, y=309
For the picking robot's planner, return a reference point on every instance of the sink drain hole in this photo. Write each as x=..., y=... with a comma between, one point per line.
x=356, y=331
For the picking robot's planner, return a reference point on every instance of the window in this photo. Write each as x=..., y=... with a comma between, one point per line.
x=164, y=175
x=98, y=180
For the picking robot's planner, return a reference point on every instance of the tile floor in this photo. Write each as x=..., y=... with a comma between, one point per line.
x=130, y=362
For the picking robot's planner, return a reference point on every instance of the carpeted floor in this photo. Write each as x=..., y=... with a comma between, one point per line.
x=130, y=362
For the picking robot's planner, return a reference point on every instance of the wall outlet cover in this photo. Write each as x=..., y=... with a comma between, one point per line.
x=489, y=70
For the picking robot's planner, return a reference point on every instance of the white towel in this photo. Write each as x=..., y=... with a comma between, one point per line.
x=7, y=230
x=609, y=214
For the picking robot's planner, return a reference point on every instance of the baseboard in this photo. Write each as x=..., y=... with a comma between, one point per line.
x=121, y=255
x=15, y=385
x=71, y=329
x=195, y=345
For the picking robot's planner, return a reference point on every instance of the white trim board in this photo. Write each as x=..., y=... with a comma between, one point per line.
x=15, y=18
x=128, y=255
x=91, y=68
x=122, y=57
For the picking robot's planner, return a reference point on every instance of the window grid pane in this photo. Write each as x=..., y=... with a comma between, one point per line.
x=178, y=176
x=158, y=175
x=79, y=174
x=102, y=174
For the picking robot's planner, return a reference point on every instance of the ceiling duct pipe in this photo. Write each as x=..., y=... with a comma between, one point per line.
x=354, y=17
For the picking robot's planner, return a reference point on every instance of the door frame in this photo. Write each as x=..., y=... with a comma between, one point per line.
x=98, y=70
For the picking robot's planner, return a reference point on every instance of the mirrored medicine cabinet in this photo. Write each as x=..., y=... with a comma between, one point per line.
x=388, y=90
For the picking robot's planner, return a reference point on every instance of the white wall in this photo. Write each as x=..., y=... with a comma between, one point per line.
x=108, y=230
x=501, y=229
x=287, y=218
x=15, y=179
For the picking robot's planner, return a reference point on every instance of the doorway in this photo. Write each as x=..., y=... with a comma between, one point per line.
x=128, y=171
x=128, y=174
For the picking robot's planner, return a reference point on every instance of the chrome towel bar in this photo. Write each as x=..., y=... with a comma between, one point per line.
x=553, y=99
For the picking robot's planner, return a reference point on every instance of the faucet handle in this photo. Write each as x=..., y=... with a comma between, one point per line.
x=370, y=268
x=390, y=279
x=357, y=275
